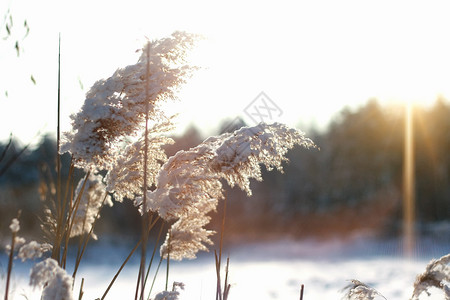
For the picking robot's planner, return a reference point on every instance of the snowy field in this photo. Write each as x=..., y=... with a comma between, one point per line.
x=264, y=271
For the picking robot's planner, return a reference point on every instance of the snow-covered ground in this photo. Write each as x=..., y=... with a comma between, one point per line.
x=262, y=271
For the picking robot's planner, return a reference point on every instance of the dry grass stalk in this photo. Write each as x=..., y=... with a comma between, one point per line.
x=358, y=290
x=437, y=274
x=302, y=288
x=186, y=187
x=14, y=229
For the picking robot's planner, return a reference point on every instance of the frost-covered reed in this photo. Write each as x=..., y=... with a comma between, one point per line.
x=437, y=274
x=117, y=138
x=115, y=108
x=120, y=132
x=358, y=290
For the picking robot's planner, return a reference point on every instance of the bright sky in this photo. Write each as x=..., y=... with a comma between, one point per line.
x=311, y=58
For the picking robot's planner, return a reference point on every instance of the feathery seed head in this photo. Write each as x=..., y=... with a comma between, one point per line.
x=189, y=186
x=115, y=108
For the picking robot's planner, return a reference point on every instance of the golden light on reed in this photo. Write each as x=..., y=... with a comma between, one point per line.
x=409, y=183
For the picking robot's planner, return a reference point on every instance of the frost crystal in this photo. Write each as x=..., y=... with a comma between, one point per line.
x=170, y=295
x=358, y=290
x=15, y=227
x=33, y=250
x=437, y=274
x=126, y=178
x=239, y=156
x=18, y=241
x=93, y=196
x=56, y=282
x=186, y=237
x=189, y=186
x=184, y=182
x=115, y=107
x=166, y=295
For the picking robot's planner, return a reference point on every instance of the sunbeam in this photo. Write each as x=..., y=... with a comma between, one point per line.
x=408, y=183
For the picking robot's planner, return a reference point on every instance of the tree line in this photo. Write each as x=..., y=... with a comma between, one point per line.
x=353, y=182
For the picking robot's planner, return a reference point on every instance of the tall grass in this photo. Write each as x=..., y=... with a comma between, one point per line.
x=179, y=191
x=14, y=229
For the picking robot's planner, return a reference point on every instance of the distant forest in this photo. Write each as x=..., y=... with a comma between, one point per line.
x=352, y=183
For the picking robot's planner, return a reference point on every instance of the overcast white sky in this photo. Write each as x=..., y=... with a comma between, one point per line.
x=311, y=58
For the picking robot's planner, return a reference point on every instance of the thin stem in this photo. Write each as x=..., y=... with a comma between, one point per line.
x=8, y=164
x=81, y=289
x=301, y=291
x=154, y=277
x=67, y=236
x=168, y=260
x=71, y=217
x=59, y=94
x=60, y=212
x=138, y=283
x=120, y=269
x=219, y=258
x=10, y=263
x=80, y=255
x=226, y=286
x=126, y=260
x=222, y=229
x=153, y=255
x=145, y=220
x=219, y=288
x=6, y=147
x=11, y=257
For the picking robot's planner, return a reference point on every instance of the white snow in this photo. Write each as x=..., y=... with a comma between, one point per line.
x=268, y=271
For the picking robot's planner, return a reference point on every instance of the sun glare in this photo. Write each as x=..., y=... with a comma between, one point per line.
x=409, y=182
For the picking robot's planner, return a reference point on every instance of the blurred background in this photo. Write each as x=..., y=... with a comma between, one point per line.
x=352, y=184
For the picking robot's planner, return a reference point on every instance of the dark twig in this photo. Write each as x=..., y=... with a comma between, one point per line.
x=59, y=205
x=219, y=258
x=12, y=159
x=227, y=286
x=168, y=259
x=219, y=288
x=81, y=289
x=153, y=256
x=154, y=277
x=10, y=260
x=10, y=263
x=126, y=260
x=6, y=148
